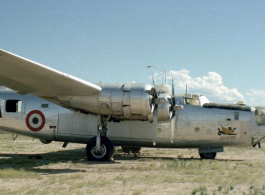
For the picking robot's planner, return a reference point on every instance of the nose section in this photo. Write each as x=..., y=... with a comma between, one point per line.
x=258, y=126
x=260, y=115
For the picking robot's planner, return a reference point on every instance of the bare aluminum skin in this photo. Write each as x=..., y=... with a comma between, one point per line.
x=196, y=127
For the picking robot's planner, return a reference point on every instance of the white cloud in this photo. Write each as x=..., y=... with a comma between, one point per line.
x=257, y=92
x=256, y=96
x=249, y=94
x=157, y=76
x=211, y=86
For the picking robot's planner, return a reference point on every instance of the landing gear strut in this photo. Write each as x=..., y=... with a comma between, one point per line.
x=100, y=148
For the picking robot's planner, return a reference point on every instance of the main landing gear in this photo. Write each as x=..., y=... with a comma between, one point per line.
x=104, y=153
x=100, y=148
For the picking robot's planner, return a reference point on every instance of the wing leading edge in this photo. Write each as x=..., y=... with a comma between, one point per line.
x=25, y=76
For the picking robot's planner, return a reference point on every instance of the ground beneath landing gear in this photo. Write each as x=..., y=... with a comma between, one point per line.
x=131, y=149
x=104, y=154
x=210, y=155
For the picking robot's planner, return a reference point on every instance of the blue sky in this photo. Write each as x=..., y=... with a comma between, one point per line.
x=217, y=47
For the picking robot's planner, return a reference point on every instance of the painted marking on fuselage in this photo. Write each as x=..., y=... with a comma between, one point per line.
x=227, y=137
x=35, y=120
x=197, y=129
x=226, y=131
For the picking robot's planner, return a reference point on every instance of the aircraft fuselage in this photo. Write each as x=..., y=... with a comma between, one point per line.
x=196, y=126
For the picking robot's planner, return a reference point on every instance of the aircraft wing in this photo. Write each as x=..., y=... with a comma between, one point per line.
x=25, y=76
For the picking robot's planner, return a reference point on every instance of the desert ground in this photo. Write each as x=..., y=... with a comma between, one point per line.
x=29, y=167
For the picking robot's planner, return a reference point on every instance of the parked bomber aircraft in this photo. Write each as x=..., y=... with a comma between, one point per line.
x=53, y=106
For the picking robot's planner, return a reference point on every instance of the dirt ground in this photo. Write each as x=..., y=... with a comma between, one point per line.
x=30, y=167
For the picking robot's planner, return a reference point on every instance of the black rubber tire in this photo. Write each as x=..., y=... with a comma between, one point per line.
x=107, y=150
x=210, y=155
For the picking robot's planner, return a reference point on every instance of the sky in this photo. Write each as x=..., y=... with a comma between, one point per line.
x=216, y=47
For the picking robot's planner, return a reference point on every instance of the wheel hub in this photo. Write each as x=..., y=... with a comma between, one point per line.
x=99, y=153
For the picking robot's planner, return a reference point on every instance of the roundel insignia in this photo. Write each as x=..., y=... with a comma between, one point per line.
x=35, y=120
x=197, y=129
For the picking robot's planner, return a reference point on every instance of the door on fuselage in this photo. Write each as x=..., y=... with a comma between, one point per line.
x=12, y=109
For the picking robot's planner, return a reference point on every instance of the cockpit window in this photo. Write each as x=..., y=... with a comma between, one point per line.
x=195, y=100
x=13, y=105
x=191, y=101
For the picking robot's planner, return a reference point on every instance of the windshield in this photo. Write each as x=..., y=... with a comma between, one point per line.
x=195, y=100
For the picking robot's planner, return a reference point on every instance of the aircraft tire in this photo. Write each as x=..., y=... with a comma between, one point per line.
x=210, y=155
x=107, y=150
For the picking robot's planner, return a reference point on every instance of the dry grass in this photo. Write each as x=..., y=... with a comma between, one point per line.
x=29, y=167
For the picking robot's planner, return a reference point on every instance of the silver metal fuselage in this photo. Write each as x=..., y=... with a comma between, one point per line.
x=196, y=127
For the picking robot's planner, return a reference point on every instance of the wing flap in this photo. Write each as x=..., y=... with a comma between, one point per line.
x=25, y=76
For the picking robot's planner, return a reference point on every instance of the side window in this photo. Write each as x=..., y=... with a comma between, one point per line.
x=45, y=105
x=236, y=115
x=13, y=105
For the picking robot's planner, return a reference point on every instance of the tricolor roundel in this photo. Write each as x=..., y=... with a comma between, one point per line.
x=35, y=120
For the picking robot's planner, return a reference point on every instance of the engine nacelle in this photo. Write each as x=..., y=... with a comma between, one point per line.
x=128, y=101
x=164, y=113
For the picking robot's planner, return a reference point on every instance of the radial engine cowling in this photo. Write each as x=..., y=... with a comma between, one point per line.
x=123, y=101
x=164, y=108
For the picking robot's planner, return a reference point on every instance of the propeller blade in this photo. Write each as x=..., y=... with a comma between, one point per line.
x=173, y=93
x=259, y=144
x=173, y=124
x=173, y=118
x=155, y=117
x=160, y=89
x=153, y=78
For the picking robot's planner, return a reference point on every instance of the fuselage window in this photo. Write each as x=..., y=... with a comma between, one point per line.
x=45, y=105
x=13, y=105
x=236, y=115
